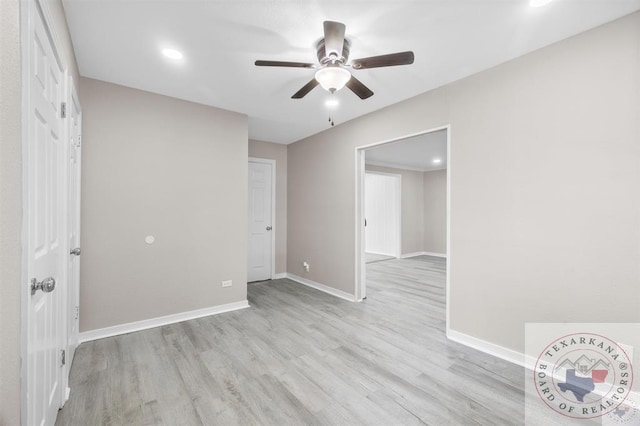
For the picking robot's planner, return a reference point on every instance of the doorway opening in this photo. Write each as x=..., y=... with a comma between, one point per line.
x=423, y=162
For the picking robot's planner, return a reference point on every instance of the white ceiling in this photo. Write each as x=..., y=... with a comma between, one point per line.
x=119, y=41
x=414, y=153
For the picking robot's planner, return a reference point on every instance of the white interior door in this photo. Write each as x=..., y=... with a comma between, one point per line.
x=260, y=256
x=45, y=213
x=383, y=213
x=73, y=230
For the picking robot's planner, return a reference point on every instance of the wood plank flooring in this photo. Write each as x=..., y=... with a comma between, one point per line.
x=298, y=357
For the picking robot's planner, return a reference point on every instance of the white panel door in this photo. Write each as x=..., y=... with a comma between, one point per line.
x=45, y=167
x=383, y=214
x=73, y=230
x=260, y=222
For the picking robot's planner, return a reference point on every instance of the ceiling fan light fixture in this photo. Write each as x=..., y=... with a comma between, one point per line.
x=331, y=103
x=332, y=79
x=174, y=54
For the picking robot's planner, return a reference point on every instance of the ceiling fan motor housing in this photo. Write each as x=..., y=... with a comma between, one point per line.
x=325, y=60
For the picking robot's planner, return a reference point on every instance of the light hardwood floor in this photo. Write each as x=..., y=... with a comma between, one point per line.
x=299, y=356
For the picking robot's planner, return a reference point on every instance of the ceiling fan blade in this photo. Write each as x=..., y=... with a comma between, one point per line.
x=359, y=88
x=401, y=58
x=305, y=89
x=284, y=64
x=333, y=38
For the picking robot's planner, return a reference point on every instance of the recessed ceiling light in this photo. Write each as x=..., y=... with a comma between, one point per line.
x=331, y=103
x=172, y=54
x=436, y=161
x=538, y=3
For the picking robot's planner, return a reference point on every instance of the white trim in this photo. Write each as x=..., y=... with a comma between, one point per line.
x=434, y=254
x=423, y=253
x=526, y=361
x=360, y=270
x=414, y=254
x=324, y=288
x=402, y=166
x=273, y=209
x=116, y=330
x=360, y=167
x=399, y=138
x=65, y=258
x=280, y=276
x=376, y=172
x=506, y=354
x=498, y=351
x=447, y=305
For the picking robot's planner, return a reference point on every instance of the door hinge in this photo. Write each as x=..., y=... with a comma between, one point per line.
x=77, y=312
x=63, y=110
x=64, y=357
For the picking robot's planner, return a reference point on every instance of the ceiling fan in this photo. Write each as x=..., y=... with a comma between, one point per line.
x=332, y=70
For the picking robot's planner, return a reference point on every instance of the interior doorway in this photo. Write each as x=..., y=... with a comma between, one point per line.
x=423, y=161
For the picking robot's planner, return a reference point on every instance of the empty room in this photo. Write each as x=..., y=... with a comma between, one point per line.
x=345, y=213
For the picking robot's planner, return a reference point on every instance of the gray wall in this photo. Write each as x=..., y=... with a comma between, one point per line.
x=434, y=185
x=11, y=194
x=544, y=200
x=277, y=152
x=154, y=165
x=10, y=211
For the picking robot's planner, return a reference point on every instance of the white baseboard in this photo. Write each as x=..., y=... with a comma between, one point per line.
x=280, y=276
x=514, y=357
x=430, y=253
x=408, y=255
x=498, y=351
x=423, y=253
x=116, y=330
x=324, y=288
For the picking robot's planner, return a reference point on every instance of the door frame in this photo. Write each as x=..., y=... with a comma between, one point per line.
x=72, y=340
x=28, y=9
x=360, y=265
x=274, y=228
x=398, y=225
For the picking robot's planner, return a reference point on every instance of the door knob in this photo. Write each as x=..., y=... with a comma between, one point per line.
x=269, y=228
x=47, y=285
x=75, y=251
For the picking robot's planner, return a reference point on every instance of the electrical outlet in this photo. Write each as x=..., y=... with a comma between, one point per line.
x=305, y=265
x=227, y=283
